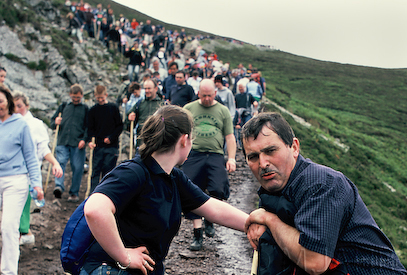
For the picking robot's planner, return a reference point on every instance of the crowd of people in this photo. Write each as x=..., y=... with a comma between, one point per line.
x=193, y=113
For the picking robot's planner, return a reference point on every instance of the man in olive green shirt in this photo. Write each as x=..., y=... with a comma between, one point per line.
x=205, y=165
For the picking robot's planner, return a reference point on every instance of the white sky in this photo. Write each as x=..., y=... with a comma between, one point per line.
x=361, y=32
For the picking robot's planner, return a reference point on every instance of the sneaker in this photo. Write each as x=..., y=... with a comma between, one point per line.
x=27, y=239
x=58, y=192
x=73, y=198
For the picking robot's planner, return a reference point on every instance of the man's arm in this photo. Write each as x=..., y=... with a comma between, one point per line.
x=287, y=238
x=231, y=148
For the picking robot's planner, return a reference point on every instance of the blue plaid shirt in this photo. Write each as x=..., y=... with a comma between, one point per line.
x=334, y=221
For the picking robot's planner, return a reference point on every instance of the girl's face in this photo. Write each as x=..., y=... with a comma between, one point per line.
x=20, y=107
x=2, y=76
x=3, y=107
x=137, y=93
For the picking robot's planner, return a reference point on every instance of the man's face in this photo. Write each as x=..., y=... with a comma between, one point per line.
x=179, y=78
x=172, y=70
x=241, y=89
x=76, y=98
x=150, y=90
x=207, y=96
x=101, y=99
x=270, y=159
x=218, y=84
x=156, y=65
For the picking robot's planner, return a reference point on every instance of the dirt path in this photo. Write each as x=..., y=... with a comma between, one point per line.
x=227, y=253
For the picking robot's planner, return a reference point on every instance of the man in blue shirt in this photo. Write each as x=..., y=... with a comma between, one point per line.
x=330, y=227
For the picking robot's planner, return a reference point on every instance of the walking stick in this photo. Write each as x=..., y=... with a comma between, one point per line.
x=98, y=33
x=90, y=169
x=255, y=262
x=52, y=152
x=94, y=29
x=131, y=139
x=121, y=135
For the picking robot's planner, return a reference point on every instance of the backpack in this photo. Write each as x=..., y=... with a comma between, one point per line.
x=124, y=93
x=76, y=241
x=77, y=237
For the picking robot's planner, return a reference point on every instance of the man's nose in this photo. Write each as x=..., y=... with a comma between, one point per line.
x=263, y=160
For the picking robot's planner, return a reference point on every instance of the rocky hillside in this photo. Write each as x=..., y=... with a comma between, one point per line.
x=36, y=67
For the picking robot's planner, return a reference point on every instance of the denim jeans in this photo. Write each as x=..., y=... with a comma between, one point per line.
x=77, y=159
x=105, y=270
x=133, y=69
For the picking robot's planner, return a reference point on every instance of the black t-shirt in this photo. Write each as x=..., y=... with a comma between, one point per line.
x=148, y=205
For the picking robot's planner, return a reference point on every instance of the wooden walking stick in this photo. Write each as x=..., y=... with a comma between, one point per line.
x=121, y=135
x=255, y=262
x=52, y=152
x=90, y=169
x=131, y=139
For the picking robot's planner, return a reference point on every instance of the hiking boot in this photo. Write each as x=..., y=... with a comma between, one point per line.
x=58, y=192
x=73, y=198
x=198, y=238
x=209, y=230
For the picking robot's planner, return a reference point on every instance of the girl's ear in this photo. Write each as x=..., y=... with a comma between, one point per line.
x=184, y=139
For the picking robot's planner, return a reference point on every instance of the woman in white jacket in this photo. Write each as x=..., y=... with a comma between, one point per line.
x=40, y=137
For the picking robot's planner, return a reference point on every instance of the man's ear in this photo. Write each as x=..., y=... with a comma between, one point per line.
x=296, y=147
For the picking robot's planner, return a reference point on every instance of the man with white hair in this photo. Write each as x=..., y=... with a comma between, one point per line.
x=155, y=67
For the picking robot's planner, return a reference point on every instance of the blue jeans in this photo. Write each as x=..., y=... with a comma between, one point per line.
x=133, y=69
x=105, y=270
x=77, y=159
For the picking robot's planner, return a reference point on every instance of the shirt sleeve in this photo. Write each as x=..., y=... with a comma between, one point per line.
x=191, y=195
x=42, y=145
x=30, y=158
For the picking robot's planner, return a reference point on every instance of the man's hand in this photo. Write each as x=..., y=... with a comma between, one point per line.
x=231, y=165
x=81, y=144
x=58, y=120
x=132, y=116
x=254, y=232
x=258, y=216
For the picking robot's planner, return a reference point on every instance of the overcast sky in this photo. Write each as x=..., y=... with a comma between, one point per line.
x=361, y=32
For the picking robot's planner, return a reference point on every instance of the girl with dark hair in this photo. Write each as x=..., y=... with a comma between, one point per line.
x=135, y=211
x=18, y=167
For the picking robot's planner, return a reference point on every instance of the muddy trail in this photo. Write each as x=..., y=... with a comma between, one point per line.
x=228, y=252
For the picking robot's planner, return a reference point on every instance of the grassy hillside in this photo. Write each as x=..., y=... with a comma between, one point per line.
x=362, y=107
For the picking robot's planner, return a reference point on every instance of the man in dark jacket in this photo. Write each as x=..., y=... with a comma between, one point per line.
x=182, y=93
x=136, y=60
